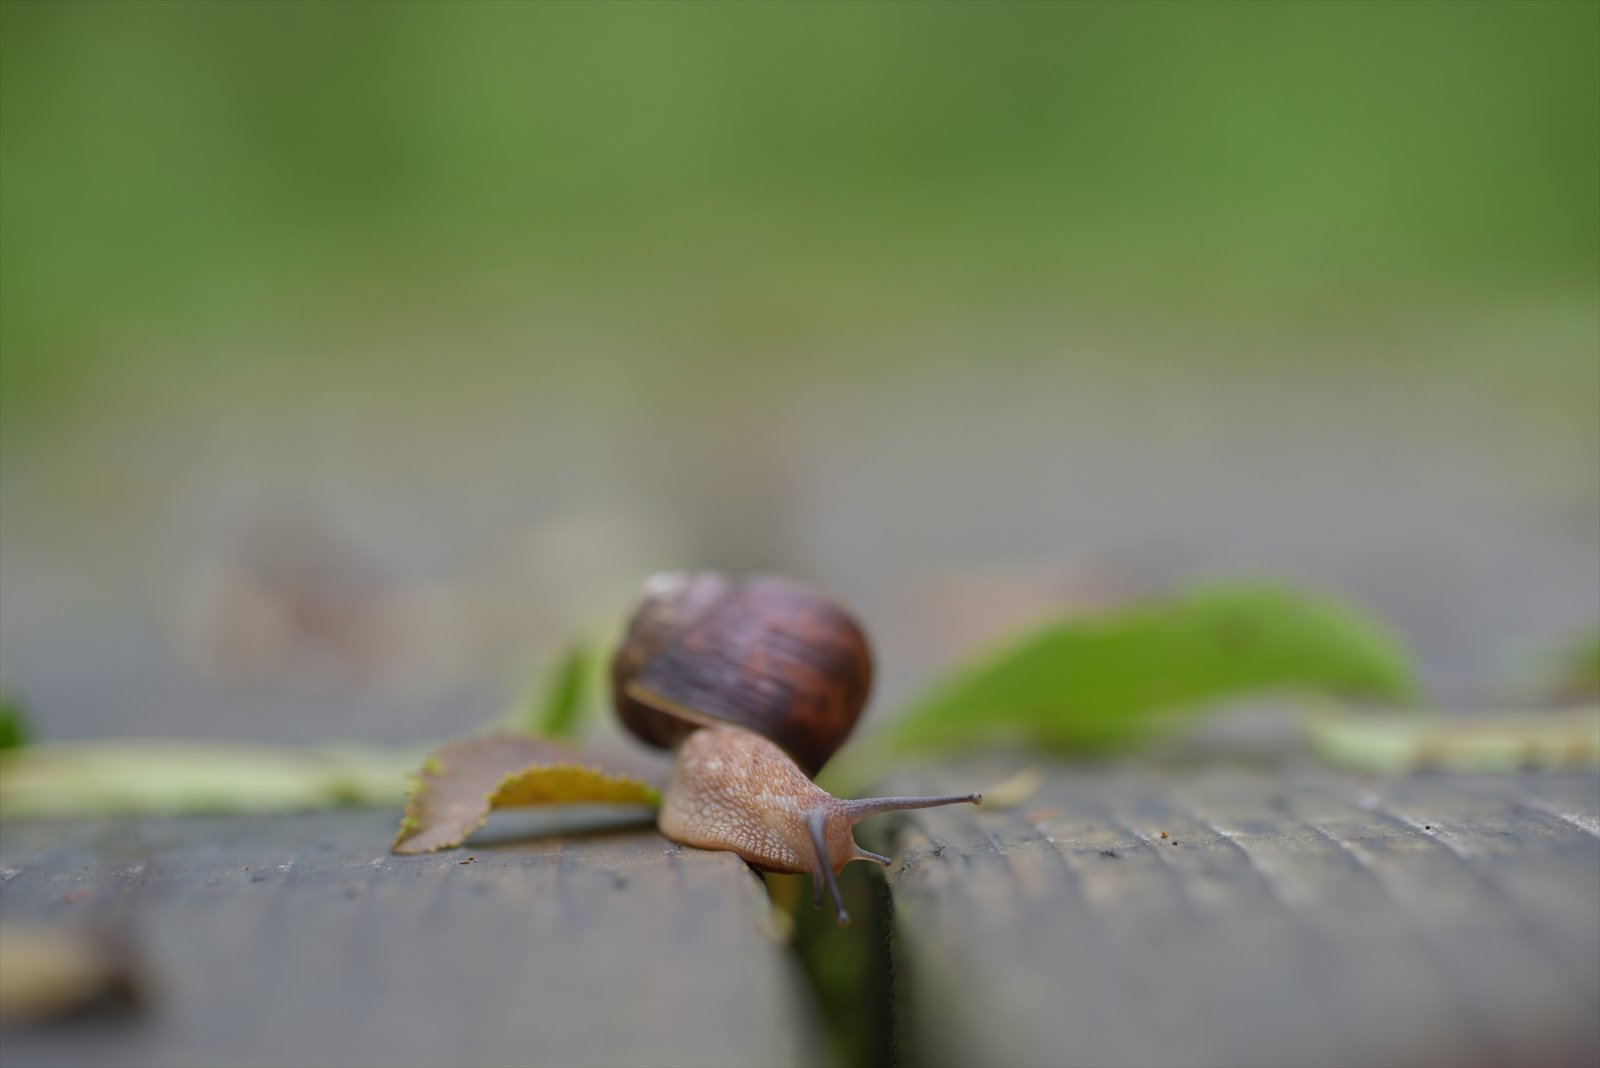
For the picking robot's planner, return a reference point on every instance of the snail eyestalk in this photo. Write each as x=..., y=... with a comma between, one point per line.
x=871, y=806
x=817, y=823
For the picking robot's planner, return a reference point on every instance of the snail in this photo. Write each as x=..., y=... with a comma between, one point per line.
x=756, y=684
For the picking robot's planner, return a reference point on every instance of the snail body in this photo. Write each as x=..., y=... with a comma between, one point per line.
x=755, y=684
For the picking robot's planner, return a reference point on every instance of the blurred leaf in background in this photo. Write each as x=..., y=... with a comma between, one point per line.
x=1578, y=674
x=1508, y=742
x=14, y=729
x=1094, y=684
x=556, y=709
x=119, y=776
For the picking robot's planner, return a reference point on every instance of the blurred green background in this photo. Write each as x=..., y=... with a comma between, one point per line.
x=352, y=356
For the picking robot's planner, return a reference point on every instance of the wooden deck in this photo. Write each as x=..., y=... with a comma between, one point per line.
x=1242, y=918
x=301, y=941
x=1300, y=917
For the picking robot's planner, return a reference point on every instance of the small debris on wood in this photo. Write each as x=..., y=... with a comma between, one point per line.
x=47, y=973
x=1014, y=791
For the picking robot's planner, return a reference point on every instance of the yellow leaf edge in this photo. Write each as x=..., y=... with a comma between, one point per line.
x=410, y=822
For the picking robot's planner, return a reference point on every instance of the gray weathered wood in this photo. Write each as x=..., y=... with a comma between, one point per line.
x=301, y=941
x=1305, y=918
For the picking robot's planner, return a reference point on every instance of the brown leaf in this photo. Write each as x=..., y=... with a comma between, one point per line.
x=462, y=782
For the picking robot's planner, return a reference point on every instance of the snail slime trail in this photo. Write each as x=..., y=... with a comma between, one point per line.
x=755, y=684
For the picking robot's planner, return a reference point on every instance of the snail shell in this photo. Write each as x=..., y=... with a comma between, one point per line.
x=764, y=653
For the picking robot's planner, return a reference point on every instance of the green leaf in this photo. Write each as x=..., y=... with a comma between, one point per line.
x=463, y=781
x=1107, y=681
x=14, y=729
x=558, y=710
x=1579, y=674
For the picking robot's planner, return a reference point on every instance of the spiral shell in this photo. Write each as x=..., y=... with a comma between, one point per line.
x=764, y=653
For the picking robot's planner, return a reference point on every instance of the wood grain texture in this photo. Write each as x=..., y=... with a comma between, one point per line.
x=1303, y=917
x=1298, y=918
x=300, y=940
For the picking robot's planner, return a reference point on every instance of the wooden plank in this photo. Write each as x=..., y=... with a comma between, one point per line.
x=301, y=941
x=1305, y=918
